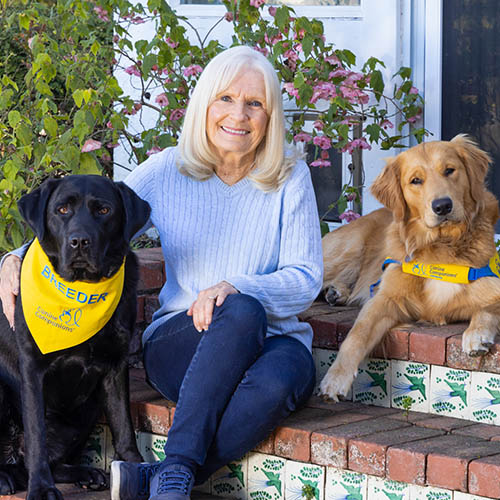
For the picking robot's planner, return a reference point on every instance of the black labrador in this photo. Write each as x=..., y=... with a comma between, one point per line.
x=50, y=403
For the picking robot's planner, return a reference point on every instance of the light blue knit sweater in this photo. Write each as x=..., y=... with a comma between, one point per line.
x=267, y=245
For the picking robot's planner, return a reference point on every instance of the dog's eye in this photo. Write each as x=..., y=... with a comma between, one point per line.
x=63, y=209
x=103, y=211
x=416, y=180
x=449, y=171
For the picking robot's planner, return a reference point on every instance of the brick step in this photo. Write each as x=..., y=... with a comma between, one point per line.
x=408, y=453
x=419, y=342
x=73, y=492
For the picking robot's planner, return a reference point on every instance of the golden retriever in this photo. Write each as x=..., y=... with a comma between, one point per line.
x=438, y=212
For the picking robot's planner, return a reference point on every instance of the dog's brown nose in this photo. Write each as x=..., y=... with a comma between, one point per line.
x=442, y=206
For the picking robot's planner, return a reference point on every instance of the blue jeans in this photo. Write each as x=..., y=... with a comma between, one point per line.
x=232, y=385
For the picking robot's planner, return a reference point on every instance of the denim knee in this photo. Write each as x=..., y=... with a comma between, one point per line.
x=245, y=314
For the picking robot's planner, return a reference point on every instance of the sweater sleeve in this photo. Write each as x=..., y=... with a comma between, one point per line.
x=297, y=280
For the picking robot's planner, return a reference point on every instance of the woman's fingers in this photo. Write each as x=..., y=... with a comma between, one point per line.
x=202, y=308
x=9, y=286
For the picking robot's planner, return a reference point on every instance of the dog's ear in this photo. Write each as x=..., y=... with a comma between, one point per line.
x=476, y=164
x=387, y=188
x=32, y=206
x=136, y=210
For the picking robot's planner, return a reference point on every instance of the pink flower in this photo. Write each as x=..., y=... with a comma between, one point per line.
x=262, y=50
x=414, y=119
x=161, y=99
x=132, y=70
x=322, y=141
x=318, y=125
x=356, y=143
x=333, y=59
x=291, y=55
x=116, y=39
x=289, y=87
x=323, y=90
x=177, y=114
x=351, y=196
x=272, y=11
x=321, y=163
x=339, y=72
x=91, y=145
x=153, y=151
x=109, y=125
x=349, y=216
x=229, y=16
x=257, y=3
x=192, y=70
x=385, y=124
x=413, y=90
x=302, y=137
x=102, y=14
x=300, y=34
x=171, y=43
x=112, y=145
x=273, y=40
x=354, y=95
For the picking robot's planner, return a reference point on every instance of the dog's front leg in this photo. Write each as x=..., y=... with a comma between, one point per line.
x=480, y=334
x=376, y=317
x=117, y=411
x=40, y=481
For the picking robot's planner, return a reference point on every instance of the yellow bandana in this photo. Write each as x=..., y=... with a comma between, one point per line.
x=62, y=314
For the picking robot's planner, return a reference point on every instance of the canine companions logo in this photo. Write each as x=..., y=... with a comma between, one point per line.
x=61, y=314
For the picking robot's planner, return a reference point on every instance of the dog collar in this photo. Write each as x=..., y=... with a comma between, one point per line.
x=452, y=273
x=59, y=313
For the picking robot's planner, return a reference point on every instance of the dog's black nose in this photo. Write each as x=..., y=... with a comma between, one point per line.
x=442, y=206
x=77, y=241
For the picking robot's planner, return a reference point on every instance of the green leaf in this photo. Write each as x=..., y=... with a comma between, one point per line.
x=88, y=165
x=377, y=82
x=325, y=229
x=23, y=133
x=50, y=125
x=78, y=97
x=14, y=117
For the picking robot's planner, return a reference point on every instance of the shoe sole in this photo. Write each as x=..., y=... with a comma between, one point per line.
x=114, y=479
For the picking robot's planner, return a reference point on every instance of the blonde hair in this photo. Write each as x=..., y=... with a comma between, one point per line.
x=197, y=160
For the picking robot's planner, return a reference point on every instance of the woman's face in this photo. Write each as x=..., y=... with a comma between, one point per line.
x=237, y=119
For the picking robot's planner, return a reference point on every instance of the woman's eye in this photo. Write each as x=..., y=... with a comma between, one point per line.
x=63, y=209
x=416, y=180
x=256, y=104
x=225, y=98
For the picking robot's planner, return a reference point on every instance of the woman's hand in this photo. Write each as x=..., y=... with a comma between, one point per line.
x=203, y=307
x=9, y=286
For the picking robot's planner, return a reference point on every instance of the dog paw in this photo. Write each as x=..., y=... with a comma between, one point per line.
x=44, y=493
x=93, y=479
x=334, y=296
x=7, y=486
x=336, y=382
x=477, y=342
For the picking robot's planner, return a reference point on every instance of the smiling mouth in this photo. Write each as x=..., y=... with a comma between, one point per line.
x=234, y=131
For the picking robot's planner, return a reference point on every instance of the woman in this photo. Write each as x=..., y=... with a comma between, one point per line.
x=239, y=230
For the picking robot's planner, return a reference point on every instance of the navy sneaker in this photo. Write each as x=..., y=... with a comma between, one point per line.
x=130, y=481
x=172, y=482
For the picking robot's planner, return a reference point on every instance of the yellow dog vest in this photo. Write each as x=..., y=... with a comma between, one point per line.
x=62, y=314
